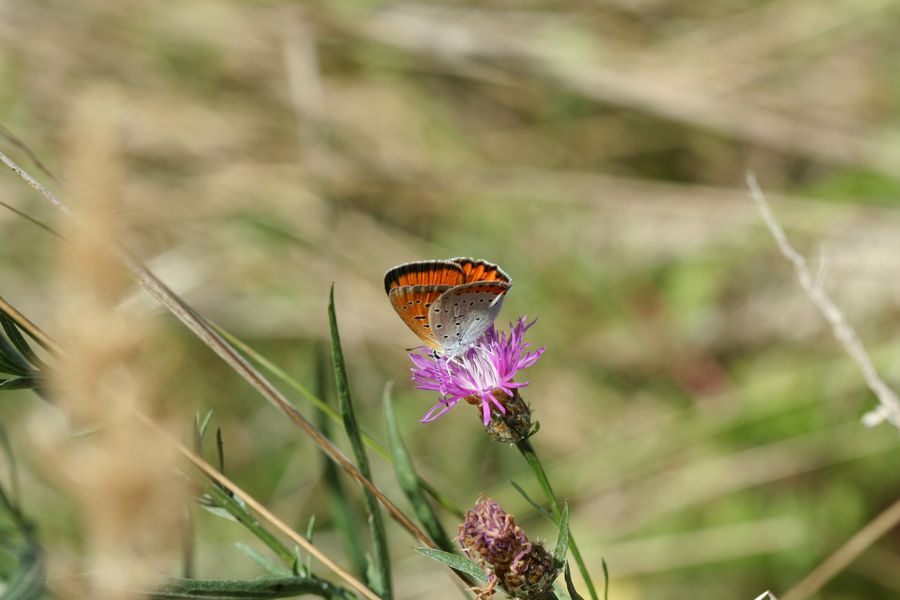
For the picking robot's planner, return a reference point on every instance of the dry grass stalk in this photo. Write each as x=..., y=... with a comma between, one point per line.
x=122, y=480
x=889, y=404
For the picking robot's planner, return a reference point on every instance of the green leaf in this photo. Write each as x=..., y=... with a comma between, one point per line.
x=310, y=530
x=235, y=508
x=18, y=340
x=27, y=582
x=455, y=561
x=408, y=478
x=220, y=450
x=605, y=579
x=345, y=518
x=562, y=541
x=200, y=426
x=533, y=503
x=20, y=383
x=265, y=562
x=256, y=589
x=373, y=574
x=8, y=361
x=6, y=446
x=570, y=587
x=351, y=426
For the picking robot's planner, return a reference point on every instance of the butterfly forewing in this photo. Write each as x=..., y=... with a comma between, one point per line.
x=427, y=273
x=461, y=314
x=412, y=303
x=480, y=270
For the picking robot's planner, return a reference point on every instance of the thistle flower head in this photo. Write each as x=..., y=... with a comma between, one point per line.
x=484, y=373
x=490, y=536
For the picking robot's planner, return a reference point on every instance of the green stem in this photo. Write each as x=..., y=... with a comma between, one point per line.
x=537, y=468
x=270, y=587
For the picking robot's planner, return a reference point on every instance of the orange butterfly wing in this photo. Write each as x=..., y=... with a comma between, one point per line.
x=426, y=272
x=480, y=270
x=412, y=303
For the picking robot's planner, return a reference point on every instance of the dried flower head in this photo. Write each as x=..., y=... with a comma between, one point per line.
x=490, y=536
x=484, y=374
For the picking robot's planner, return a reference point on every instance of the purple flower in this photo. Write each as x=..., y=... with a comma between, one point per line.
x=480, y=374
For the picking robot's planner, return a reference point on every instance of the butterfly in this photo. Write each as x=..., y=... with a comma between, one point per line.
x=447, y=303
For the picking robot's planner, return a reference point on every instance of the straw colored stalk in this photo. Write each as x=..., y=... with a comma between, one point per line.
x=128, y=500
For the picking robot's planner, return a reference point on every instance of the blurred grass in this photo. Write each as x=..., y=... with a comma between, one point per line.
x=695, y=411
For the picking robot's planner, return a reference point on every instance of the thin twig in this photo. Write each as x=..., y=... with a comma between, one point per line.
x=846, y=554
x=207, y=334
x=889, y=404
x=43, y=191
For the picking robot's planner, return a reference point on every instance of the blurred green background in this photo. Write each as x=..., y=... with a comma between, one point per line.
x=695, y=410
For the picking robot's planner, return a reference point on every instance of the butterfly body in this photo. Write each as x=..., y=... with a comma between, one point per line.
x=447, y=303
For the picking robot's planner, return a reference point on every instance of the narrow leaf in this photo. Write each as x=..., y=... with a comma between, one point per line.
x=272, y=567
x=220, y=450
x=351, y=426
x=533, y=503
x=562, y=541
x=8, y=362
x=27, y=582
x=237, y=510
x=310, y=530
x=20, y=383
x=345, y=518
x=6, y=445
x=570, y=587
x=18, y=340
x=202, y=424
x=256, y=589
x=408, y=478
x=455, y=561
x=605, y=579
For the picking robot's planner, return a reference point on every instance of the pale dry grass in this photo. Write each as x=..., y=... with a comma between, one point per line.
x=130, y=497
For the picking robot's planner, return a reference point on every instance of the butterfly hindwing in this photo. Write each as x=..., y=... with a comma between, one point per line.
x=461, y=314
